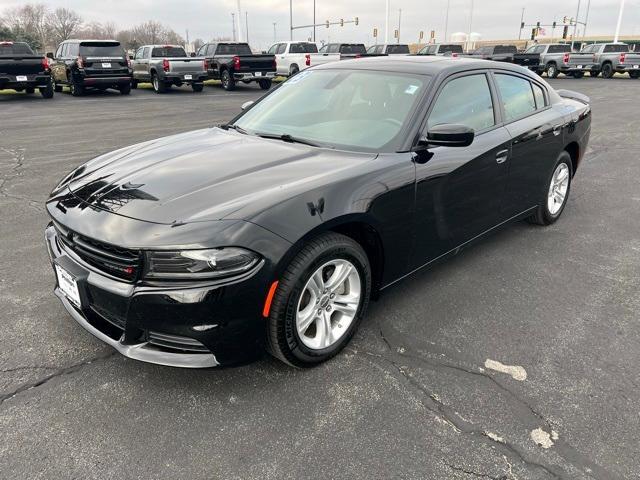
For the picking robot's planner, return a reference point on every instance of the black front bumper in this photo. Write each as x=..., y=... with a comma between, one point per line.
x=183, y=325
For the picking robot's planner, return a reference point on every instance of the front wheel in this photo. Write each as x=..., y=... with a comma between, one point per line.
x=197, y=87
x=607, y=70
x=552, y=71
x=265, y=84
x=634, y=74
x=47, y=92
x=556, y=192
x=319, y=301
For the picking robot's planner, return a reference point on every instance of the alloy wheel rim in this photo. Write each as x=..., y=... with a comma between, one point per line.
x=328, y=304
x=558, y=189
x=155, y=83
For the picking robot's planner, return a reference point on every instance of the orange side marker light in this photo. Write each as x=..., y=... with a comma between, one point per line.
x=269, y=299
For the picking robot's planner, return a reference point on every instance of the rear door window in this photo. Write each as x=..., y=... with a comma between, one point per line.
x=620, y=48
x=538, y=93
x=517, y=96
x=281, y=48
x=465, y=101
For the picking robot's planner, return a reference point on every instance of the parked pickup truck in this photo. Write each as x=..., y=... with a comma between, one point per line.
x=292, y=57
x=231, y=62
x=610, y=58
x=343, y=51
x=167, y=65
x=553, y=58
x=22, y=70
x=440, y=49
x=389, y=49
x=497, y=53
x=83, y=64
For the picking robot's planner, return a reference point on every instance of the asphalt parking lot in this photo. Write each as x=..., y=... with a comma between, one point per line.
x=413, y=396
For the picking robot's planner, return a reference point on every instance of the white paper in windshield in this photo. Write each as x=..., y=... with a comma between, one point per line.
x=411, y=89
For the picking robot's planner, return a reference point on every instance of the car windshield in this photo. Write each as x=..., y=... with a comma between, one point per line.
x=360, y=110
x=101, y=49
x=168, y=52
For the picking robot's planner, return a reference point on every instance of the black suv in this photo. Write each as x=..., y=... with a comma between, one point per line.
x=83, y=64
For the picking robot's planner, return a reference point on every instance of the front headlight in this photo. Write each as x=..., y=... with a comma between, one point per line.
x=213, y=263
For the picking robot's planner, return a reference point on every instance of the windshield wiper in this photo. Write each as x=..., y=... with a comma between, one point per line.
x=285, y=137
x=227, y=126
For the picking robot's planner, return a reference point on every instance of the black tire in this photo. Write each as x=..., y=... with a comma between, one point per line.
x=134, y=83
x=197, y=87
x=607, y=70
x=578, y=74
x=158, y=85
x=594, y=73
x=47, y=92
x=283, y=341
x=228, y=82
x=543, y=216
x=125, y=89
x=265, y=84
x=552, y=70
x=77, y=89
x=293, y=70
x=56, y=87
x=29, y=90
x=634, y=74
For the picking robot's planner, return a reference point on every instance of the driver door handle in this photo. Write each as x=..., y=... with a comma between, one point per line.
x=502, y=156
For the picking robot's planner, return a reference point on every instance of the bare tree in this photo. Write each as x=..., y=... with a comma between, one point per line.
x=197, y=43
x=29, y=20
x=65, y=24
x=99, y=31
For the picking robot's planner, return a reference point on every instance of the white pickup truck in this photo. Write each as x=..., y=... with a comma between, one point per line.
x=293, y=57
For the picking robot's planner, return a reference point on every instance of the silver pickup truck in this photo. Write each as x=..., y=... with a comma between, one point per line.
x=608, y=59
x=167, y=65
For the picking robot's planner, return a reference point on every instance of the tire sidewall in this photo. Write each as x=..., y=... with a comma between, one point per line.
x=548, y=216
x=303, y=355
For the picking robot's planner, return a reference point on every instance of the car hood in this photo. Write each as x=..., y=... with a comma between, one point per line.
x=208, y=174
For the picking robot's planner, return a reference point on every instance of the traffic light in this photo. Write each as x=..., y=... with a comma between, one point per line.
x=554, y=25
x=565, y=32
x=537, y=24
x=395, y=34
x=342, y=22
x=533, y=34
x=521, y=25
x=375, y=33
x=356, y=21
x=433, y=34
x=327, y=24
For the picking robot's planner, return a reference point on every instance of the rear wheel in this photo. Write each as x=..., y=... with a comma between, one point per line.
x=197, y=87
x=228, y=83
x=158, y=85
x=607, y=70
x=293, y=70
x=320, y=300
x=47, y=92
x=634, y=74
x=578, y=74
x=552, y=70
x=125, y=89
x=556, y=192
x=594, y=73
x=265, y=84
x=77, y=89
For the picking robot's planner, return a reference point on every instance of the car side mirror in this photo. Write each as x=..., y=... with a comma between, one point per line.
x=50, y=55
x=193, y=54
x=130, y=57
x=246, y=105
x=449, y=135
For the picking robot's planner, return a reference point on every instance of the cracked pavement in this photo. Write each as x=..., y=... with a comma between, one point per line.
x=410, y=397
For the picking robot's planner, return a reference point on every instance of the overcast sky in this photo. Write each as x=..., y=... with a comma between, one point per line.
x=493, y=19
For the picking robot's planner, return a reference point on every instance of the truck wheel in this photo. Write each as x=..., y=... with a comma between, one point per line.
x=56, y=87
x=634, y=74
x=197, y=87
x=47, y=92
x=29, y=90
x=594, y=73
x=134, y=84
x=293, y=70
x=552, y=70
x=578, y=74
x=158, y=85
x=607, y=70
x=125, y=89
x=77, y=89
x=265, y=84
x=228, y=83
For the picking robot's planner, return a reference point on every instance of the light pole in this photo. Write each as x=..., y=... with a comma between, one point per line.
x=575, y=26
x=470, y=23
x=521, y=22
x=446, y=20
x=246, y=24
x=386, y=23
x=314, y=20
x=584, y=27
x=274, y=32
x=233, y=24
x=615, y=38
x=290, y=19
x=399, y=21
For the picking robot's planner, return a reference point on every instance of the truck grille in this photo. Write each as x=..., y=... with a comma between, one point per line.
x=119, y=262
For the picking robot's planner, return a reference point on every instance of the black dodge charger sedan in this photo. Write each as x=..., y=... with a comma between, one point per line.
x=274, y=230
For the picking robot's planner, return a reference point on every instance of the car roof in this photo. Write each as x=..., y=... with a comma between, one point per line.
x=89, y=40
x=421, y=64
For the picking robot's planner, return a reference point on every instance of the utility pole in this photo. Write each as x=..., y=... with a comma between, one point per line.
x=188, y=40
x=386, y=23
x=575, y=26
x=399, y=21
x=274, y=32
x=584, y=29
x=239, y=18
x=233, y=23
x=314, y=20
x=615, y=38
x=246, y=23
x=470, y=23
x=290, y=19
x=521, y=22
x=446, y=20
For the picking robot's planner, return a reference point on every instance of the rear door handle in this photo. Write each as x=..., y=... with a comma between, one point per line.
x=502, y=156
x=557, y=130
